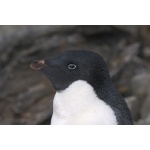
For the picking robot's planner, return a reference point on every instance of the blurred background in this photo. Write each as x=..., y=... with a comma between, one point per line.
x=26, y=95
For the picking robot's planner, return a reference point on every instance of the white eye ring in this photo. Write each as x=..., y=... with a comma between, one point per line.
x=71, y=66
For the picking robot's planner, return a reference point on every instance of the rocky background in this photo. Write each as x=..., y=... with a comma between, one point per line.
x=26, y=95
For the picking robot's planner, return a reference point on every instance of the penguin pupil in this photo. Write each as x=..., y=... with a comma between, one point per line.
x=72, y=66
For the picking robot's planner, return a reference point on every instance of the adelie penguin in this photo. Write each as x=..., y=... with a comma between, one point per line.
x=85, y=94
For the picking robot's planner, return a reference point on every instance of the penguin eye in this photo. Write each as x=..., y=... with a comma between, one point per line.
x=71, y=66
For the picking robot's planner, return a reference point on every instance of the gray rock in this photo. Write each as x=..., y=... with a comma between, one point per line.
x=133, y=29
x=145, y=110
x=134, y=106
x=140, y=84
x=141, y=89
x=146, y=53
x=145, y=121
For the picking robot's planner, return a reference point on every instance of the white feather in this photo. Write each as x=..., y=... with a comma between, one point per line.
x=78, y=104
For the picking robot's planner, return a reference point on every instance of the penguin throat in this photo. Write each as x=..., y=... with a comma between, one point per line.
x=78, y=104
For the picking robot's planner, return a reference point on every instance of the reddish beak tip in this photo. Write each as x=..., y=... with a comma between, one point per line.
x=37, y=65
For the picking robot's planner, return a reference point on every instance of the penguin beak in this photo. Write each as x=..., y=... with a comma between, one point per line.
x=38, y=64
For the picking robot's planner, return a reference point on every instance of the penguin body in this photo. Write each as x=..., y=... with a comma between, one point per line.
x=78, y=104
x=84, y=91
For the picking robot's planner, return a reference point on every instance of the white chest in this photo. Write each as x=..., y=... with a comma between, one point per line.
x=78, y=104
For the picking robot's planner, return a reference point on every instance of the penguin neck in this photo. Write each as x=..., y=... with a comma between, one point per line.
x=102, y=86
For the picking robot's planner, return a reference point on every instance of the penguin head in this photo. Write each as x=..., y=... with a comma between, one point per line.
x=73, y=65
